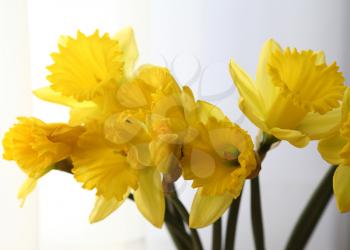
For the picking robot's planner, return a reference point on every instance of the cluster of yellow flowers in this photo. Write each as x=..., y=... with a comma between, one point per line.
x=131, y=131
x=136, y=131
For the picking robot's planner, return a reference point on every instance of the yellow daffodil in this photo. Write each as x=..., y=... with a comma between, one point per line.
x=37, y=147
x=86, y=65
x=90, y=88
x=296, y=95
x=102, y=165
x=109, y=164
x=218, y=161
x=336, y=150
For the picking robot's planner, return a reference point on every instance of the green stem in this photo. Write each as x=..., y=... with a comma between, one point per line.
x=232, y=223
x=311, y=214
x=181, y=239
x=256, y=213
x=176, y=236
x=216, y=245
x=265, y=145
x=197, y=245
x=176, y=213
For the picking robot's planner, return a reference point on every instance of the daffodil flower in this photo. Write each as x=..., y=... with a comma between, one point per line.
x=218, y=160
x=335, y=149
x=87, y=72
x=296, y=95
x=37, y=146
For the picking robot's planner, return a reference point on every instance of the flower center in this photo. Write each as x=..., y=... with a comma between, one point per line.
x=307, y=83
x=231, y=154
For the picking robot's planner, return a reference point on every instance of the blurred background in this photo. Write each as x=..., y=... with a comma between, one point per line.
x=195, y=39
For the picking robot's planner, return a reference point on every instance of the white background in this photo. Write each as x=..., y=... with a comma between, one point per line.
x=195, y=39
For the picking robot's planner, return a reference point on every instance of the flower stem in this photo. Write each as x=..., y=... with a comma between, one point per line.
x=312, y=213
x=216, y=244
x=197, y=245
x=232, y=223
x=257, y=221
x=180, y=238
x=256, y=213
x=176, y=213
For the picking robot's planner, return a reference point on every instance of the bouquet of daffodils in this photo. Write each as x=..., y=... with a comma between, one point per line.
x=133, y=132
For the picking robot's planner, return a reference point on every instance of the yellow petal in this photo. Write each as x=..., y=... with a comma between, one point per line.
x=251, y=114
x=149, y=197
x=131, y=95
x=207, y=110
x=164, y=151
x=341, y=185
x=100, y=164
x=125, y=127
x=346, y=104
x=263, y=82
x=81, y=112
x=253, y=103
x=158, y=78
x=84, y=113
x=320, y=58
x=331, y=147
x=206, y=210
x=318, y=126
x=50, y=95
x=128, y=46
x=27, y=187
x=294, y=137
x=139, y=156
x=104, y=207
x=189, y=104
